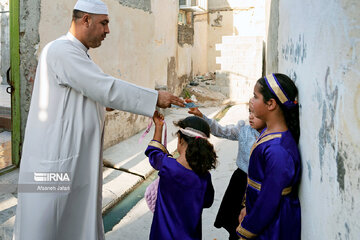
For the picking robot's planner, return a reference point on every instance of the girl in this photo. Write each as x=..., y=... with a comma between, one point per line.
x=272, y=204
x=185, y=186
x=246, y=135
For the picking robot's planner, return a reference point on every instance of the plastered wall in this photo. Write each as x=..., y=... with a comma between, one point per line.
x=200, y=53
x=319, y=47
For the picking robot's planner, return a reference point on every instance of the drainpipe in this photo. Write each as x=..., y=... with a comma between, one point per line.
x=15, y=81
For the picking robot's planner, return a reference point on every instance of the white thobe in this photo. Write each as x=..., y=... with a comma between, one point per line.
x=64, y=134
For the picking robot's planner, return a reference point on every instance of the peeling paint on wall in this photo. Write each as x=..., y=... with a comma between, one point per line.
x=340, y=159
x=309, y=169
x=328, y=106
x=217, y=21
x=130, y=125
x=171, y=74
x=185, y=35
x=318, y=43
x=29, y=40
x=144, y=5
x=292, y=74
x=295, y=50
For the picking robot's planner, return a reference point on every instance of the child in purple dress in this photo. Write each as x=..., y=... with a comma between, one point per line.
x=272, y=204
x=185, y=186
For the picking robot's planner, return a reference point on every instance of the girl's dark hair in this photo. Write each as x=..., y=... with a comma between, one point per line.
x=200, y=153
x=291, y=115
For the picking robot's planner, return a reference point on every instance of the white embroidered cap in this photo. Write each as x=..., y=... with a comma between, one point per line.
x=91, y=6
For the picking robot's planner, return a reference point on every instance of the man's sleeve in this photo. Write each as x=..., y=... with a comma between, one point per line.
x=83, y=75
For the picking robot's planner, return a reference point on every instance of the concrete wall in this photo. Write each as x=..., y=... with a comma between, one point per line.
x=200, y=53
x=271, y=36
x=164, y=39
x=236, y=31
x=318, y=46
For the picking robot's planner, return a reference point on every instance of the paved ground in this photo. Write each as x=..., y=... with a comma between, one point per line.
x=136, y=224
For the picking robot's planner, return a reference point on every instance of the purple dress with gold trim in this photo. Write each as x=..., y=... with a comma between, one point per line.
x=182, y=195
x=272, y=203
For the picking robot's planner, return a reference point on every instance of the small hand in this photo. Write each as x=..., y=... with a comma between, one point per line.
x=242, y=215
x=194, y=111
x=165, y=99
x=158, y=119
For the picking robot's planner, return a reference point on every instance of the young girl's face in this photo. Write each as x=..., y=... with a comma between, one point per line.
x=255, y=123
x=259, y=108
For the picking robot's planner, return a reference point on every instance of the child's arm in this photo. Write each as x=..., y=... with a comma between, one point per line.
x=156, y=151
x=196, y=112
x=229, y=131
x=159, y=123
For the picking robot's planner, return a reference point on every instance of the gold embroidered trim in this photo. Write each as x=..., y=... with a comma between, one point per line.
x=158, y=145
x=264, y=139
x=276, y=88
x=243, y=203
x=254, y=184
x=257, y=186
x=286, y=191
x=245, y=232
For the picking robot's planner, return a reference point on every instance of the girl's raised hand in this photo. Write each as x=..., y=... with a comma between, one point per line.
x=194, y=111
x=158, y=119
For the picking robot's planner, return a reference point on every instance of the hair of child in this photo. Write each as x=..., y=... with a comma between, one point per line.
x=200, y=153
x=291, y=114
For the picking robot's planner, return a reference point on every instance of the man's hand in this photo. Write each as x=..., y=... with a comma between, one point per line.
x=165, y=99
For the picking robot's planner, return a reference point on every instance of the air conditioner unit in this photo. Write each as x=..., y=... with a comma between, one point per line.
x=193, y=5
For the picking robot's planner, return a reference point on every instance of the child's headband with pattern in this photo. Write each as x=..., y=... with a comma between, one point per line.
x=190, y=132
x=277, y=90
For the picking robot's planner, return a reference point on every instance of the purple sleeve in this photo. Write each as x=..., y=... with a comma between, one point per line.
x=156, y=154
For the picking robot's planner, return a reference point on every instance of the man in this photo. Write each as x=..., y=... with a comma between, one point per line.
x=64, y=132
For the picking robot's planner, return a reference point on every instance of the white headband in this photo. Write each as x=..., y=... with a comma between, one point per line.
x=190, y=132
